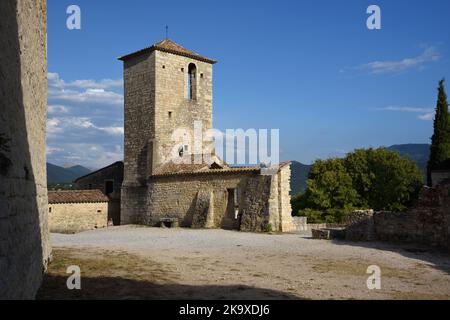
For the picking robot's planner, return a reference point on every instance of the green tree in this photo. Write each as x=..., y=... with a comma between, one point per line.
x=379, y=179
x=440, y=141
x=329, y=189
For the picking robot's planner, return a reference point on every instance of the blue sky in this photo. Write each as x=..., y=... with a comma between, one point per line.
x=310, y=68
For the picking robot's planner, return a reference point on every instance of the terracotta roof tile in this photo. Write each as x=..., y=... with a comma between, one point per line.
x=169, y=46
x=76, y=196
x=218, y=166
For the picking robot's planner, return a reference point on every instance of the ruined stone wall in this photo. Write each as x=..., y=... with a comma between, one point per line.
x=259, y=200
x=76, y=217
x=438, y=176
x=426, y=222
x=24, y=237
x=284, y=198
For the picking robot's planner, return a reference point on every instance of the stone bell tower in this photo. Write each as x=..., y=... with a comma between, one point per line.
x=167, y=89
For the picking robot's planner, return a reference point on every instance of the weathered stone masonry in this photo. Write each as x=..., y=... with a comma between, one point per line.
x=77, y=210
x=427, y=221
x=24, y=238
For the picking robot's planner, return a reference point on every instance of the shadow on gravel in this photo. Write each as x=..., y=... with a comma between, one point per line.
x=112, y=288
x=437, y=258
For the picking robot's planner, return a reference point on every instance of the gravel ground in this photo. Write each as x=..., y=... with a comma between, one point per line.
x=289, y=265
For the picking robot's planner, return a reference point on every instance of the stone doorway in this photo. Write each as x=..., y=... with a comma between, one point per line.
x=230, y=220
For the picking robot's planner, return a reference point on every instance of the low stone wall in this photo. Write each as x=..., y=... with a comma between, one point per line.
x=300, y=223
x=77, y=217
x=360, y=226
x=426, y=222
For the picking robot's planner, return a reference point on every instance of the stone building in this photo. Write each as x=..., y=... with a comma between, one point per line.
x=24, y=237
x=77, y=210
x=168, y=87
x=109, y=181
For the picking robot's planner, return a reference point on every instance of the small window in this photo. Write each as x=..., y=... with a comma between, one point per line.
x=50, y=209
x=201, y=75
x=109, y=187
x=192, y=82
x=170, y=114
x=182, y=69
x=99, y=211
x=183, y=150
x=163, y=66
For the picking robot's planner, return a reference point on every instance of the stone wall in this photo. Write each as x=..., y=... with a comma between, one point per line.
x=203, y=201
x=133, y=205
x=300, y=223
x=24, y=237
x=139, y=117
x=438, y=176
x=360, y=226
x=173, y=108
x=176, y=197
x=97, y=180
x=77, y=217
x=426, y=222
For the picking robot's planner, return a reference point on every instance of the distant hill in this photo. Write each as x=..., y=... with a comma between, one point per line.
x=299, y=175
x=419, y=153
x=57, y=174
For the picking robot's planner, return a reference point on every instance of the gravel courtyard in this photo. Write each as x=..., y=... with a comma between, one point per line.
x=219, y=264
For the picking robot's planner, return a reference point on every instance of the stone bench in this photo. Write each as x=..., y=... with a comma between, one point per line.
x=328, y=233
x=168, y=222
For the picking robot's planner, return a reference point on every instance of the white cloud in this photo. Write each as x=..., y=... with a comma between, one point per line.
x=85, y=123
x=54, y=80
x=426, y=114
x=429, y=55
x=53, y=126
x=113, y=130
x=57, y=109
x=52, y=150
x=92, y=84
x=84, y=91
x=67, y=124
x=90, y=155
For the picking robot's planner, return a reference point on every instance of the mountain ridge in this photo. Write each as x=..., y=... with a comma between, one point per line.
x=419, y=153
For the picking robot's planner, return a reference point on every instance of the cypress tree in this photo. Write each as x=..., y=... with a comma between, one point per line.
x=440, y=141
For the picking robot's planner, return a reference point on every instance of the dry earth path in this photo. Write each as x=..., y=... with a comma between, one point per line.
x=140, y=263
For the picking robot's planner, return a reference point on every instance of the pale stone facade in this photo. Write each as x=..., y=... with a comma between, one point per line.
x=77, y=210
x=24, y=237
x=77, y=217
x=168, y=88
x=109, y=180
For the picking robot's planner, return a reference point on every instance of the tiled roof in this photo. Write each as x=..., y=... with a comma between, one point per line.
x=170, y=169
x=169, y=46
x=76, y=196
